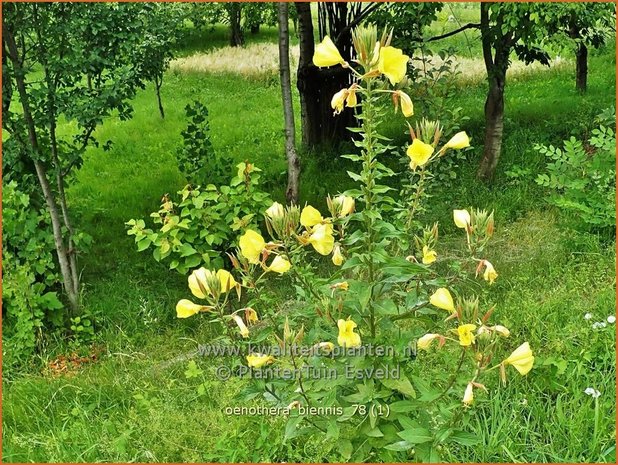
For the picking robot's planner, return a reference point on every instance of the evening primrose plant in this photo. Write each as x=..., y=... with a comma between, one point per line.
x=349, y=341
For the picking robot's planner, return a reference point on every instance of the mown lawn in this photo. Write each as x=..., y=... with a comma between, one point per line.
x=133, y=404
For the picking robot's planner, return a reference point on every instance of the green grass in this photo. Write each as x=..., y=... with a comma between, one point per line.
x=129, y=407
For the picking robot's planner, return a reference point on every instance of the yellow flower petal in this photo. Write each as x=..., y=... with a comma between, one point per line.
x=198, y=282
x=425, y=341
x=466, y=337
x=251, y=315
x=490, y=273
x=442, y=299
x=351, y=101
x=326, y=54
x=521, y=359
x=275, y=211
x=393, y=64
x=458, y=141
x=244, y=331
x=461, y=218
x=407, y=108
x=279, y=265
x=419, y=153
x=347, y=337
x=322, y=239
x=346, y=203
x=259, y=360
x=343, y=285
x=501, y=330
x=337, y=256
x=226, y=279
x=326, y=347
x=338, y=100
x=310, y=216
x=468, y=397
x=429, y=256
x=185, y=308
x=251, y=246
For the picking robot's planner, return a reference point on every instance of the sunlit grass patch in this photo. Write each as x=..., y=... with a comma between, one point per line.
x=254, y=59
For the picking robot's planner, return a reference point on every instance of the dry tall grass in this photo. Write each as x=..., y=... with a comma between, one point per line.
x=252, y=60
x=263, y=59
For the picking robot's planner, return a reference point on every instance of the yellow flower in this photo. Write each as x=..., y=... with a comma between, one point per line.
x=407, y=108
x=259, y=360
x=344, y=286
x=338, y=100
x=279, y=265
x=351, y=101
x=461, y=218
x=419, y=153
x=185, y=308
x=322, y=239
x=521, y=358
x=244, y=331
x=442, y=299
x=226, y=280
x=275, y=211
x=310, y=216
x=347, y=337
x=198, y=282
x=501, y=330
x=251, y=246
x=251, y=315
x=468, y=397
x=458, y=141
x=425, y=341
x=346, y=203
x=325, y=347
x=337, y=256
x=466, y=337
x=393, y=64
x=429, y=256
x=201, y=280
x=490, y=273
x=326, y=54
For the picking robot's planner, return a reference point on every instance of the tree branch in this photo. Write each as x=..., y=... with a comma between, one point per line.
x=456, y=31
x=363, y=14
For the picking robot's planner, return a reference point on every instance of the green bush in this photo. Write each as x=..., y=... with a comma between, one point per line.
x=582, y=176
x=203, y=222
x=30, y=281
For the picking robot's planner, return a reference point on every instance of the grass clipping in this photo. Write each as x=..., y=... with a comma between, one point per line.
x=252, y=60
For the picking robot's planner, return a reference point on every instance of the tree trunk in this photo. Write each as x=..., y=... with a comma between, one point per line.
x=158, y=82
x=581, y=67
x=255, y=29
x=317, y=87
x=496, y=65
x=288, y=109
x=70, y=286
x=494, y=125
x=236, y=36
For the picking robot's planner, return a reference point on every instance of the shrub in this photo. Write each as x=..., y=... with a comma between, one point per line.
x=582, y=176
x=201, y=224
x=197, y=159
x=30, y=279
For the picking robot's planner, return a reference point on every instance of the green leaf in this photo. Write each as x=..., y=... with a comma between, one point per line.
x=345, y=449
x=464, y=438
x=399, y=446
x=402, y=385
x=416, y=435
x=427, y=453
x=291, y=427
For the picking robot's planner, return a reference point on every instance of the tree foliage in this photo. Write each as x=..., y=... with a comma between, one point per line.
x=71, y=62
